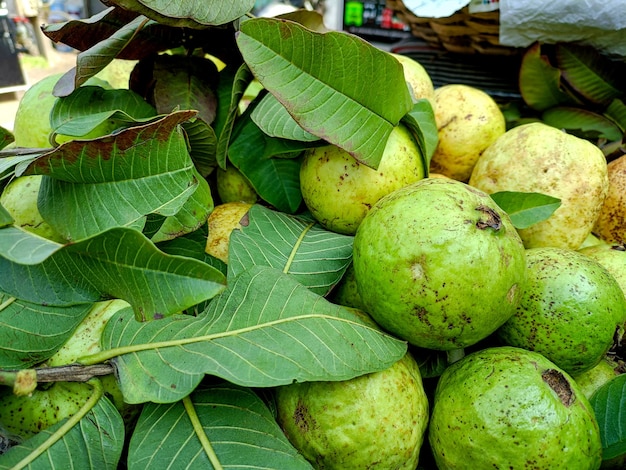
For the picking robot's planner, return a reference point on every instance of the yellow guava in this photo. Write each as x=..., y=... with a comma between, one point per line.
x=417, y=77
x=224, y=218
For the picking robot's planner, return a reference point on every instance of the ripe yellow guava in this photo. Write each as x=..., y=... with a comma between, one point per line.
x=571, y=309
x=374, y=421
x=339, y=191
x=468, y=121
x=224, y=218
x=539, y=158
x=610, y=225
x=439, y=264
x=420, y=83
x=19, y=198
x=505, y=407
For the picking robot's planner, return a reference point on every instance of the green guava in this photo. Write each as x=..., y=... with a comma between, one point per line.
x=27, y=415
x=233, y=186
x=612, y=257
x=339, y=191
x=374, y=421
x=31, y=127
x=19, y=198
x=592, y=379
x=505, y=407
x=346, y=292
x=570, y=310
x=439, y=264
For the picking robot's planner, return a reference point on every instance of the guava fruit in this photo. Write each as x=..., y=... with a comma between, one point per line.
x=612, y=257
x=505, y=407
x=539, y=158
x=571, y=309
x=31, y=126
x=592, y=379
x=19, y=198
x=468, y=121
x=233, y=186
x=27, y=415
x=224, y=218
x=439, y=264
x=339, y=191
x=610, y=224
x=374, y=421
x=346, y=292
x=418, y=79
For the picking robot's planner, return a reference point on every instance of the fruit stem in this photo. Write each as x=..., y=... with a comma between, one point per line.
x=199, y=430
x=455, y=355
x=98, y=391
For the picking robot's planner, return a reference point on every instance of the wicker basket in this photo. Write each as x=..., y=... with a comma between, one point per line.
x=463, y=32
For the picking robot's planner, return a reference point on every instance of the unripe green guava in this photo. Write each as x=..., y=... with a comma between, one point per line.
x=19, y=198
x=510, y=408
x=612, y=257
x=27, y=415
x=594, y=378
x=339, y=191
x=346, y=292
x=374, y=421
x=439, y=264
x=570, y=310
x=233, y=186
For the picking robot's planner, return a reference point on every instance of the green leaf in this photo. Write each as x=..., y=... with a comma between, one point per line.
x=582, y=123
x=15, y=157
x=239, y=426
x=88, y=107
x=191, y=216
x=5, y=218
x=98, y=439
x=31, y=333
x=276, y=180
x=335, y=85
x=265, y=329
x=609, y=406
x=6, y=137
x=231, y=88
x=202, y=145
x=540, y=81
x=120, y=263
x=526, y=209
x=314, y=256
x=589, y=73
x=274, y=120
x=616, y=111
x=115, y=181
x=421, y=123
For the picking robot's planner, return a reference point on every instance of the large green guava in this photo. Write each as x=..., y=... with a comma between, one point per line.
x=510, y=408
x=571, y=309
x=439, y=264
x=374, y=421
x=339, y=191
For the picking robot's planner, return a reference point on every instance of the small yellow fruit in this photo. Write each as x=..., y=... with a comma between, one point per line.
x=223, y=220
x=610, y=225
x=468, y=121
x=417, y=77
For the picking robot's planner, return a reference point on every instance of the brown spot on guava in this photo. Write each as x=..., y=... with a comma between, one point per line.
x=301, y=417
x=561, y=386
x=491, y=220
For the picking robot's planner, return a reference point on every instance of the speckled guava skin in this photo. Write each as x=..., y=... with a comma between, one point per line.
x=612, y=257
x=510, y=408
x=374, y=421
x=570, y=309
x=339, y=191
x=439, y=264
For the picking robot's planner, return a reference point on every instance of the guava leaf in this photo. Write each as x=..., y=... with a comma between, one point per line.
x=31, y=333
x=335, y=85
x=314, y=256
x=526, y=209
x=231, y=88
x=120, y=263
x=190, y=13
x=193, y=214
x=274, y=120
x=93, y=60
x=616, y=111
x=239, y=426
x=87, y=107
x=6, y=137
x=582, y=123
x=14, y=157
x=593, y=76
x=117, y=180
x=202, y=145
x=98, y=438
x=5, y=218
x=421, y=123
x=265, y=329
x=540, y=81
x=276, y=180
x=609, y=406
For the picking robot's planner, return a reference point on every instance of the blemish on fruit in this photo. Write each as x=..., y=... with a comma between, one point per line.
x=557, y=382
